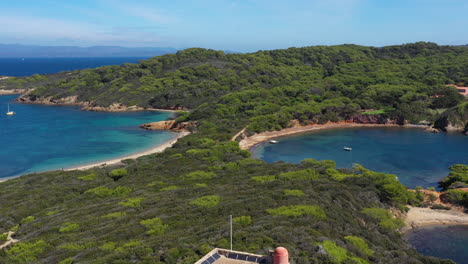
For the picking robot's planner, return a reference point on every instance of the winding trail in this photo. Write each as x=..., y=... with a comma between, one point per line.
x=9, y=241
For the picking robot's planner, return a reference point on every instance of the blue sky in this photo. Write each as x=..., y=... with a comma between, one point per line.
x=238, y=25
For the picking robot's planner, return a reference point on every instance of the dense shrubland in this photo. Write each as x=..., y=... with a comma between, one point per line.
x=173, y=207
x=266, y=89
x=162, y=212
x=456, y=185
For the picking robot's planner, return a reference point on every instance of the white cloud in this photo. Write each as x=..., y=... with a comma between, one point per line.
x=47, y=30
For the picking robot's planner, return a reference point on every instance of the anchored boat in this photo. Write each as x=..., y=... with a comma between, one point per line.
x=9, y=112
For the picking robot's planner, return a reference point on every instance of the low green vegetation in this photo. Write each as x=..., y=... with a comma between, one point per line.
x=200, y=175
x=132, y=202
x=76, y=246
x=27, y=219
x=154, y=226
x=299, y=210
x=244, y=220
x=302, y=175
x=385, y=218
x=117, y=174
x=458, y=197
x=263, y=179
x=457, y=178
x=359, y=243
x=298, y=193
x=103, y=191
x=115, y=215
x=208, y=201
x=88, y=177
x=170, y=188
x=453, y=184
x=3, y=238
x=69, y=227
x=25, y=252
x=173, y=207
x=339, y=254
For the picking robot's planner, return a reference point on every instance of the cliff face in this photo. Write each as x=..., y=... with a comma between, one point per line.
x=376, y=119
x=454, y=119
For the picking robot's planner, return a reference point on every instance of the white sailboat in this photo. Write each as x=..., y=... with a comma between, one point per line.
x=9, y=112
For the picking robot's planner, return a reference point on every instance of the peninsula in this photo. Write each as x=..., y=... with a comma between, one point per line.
x=173, y=207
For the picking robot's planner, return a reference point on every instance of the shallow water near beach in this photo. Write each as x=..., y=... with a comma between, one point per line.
x=441, y=241
x=40, y=138
x=417, y=157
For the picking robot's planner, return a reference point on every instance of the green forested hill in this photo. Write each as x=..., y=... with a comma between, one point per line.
x=173, y=207
x=318, y=83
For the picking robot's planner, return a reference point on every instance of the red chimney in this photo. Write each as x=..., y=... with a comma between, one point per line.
x=281, y=256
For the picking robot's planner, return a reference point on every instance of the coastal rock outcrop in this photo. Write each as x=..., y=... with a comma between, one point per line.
x=170, y=125
x=73, y=100
x=432, y=129
x=376, y=119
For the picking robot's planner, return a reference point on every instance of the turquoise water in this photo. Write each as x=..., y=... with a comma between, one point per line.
x=40, y=138
x=417, y=157
x=442, y=241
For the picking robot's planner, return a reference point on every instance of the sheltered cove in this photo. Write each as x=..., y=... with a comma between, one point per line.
x=416, y=217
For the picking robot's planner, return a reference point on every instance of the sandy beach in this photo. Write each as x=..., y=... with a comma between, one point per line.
x=418, y=217
x=11, y=92
x=249, y=142
x=157, y=149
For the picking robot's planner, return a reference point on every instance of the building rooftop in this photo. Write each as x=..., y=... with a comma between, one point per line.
x=224, y=256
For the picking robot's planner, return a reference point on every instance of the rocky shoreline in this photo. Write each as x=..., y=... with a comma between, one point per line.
x=26, y=98
x=171, y=125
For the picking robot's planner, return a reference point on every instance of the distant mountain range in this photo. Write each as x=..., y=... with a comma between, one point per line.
x=17, y=50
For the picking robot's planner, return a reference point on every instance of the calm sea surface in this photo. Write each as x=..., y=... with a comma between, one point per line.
x=417, y=157
x=442, y=241
x=30, y=66
x=40, y=138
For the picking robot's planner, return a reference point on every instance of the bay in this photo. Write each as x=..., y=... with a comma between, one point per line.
x=417, y=157
x=40, y=137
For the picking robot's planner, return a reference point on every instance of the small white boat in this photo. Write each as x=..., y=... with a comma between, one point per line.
x=274, y=142
x=10, y=113
x=347, y=148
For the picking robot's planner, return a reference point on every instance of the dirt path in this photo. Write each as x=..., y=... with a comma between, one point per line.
x=9, y=241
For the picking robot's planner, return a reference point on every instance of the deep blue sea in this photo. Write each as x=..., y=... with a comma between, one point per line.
x=30, y=66
x=40, y=138
x=442, y=241
x=417, y=157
